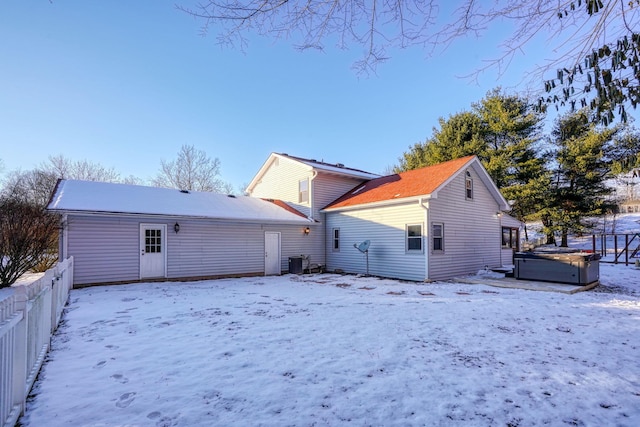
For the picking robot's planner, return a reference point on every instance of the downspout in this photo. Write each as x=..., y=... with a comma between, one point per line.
x=62, y=239
x=311, y=208
x=311, y=201
x=425, y=205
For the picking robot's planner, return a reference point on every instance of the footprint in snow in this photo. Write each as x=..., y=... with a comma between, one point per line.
x=126, y=399
x=120, y=378
x=100, y=364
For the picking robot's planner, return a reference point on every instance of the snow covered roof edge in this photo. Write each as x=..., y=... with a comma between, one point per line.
x=102, y=197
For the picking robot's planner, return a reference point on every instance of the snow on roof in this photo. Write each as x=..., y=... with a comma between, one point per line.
x=102, y=197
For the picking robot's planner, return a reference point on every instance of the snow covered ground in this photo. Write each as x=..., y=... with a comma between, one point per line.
x=328, y=350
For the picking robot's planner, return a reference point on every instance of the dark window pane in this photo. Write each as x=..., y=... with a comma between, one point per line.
x=437, y=244
x=415, y=244
x=414, y=230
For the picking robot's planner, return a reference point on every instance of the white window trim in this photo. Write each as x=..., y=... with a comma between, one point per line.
x=308, y=193
x=468, y=182
x=433, y=237
x=334, y=240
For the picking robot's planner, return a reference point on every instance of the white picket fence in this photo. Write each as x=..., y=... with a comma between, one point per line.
x=28, y=318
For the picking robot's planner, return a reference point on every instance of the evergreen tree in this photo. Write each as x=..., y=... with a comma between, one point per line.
x=504, y=131
x=585, y=156
x=459, y=136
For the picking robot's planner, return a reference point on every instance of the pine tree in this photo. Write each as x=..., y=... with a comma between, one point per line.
x=504, y=131
x=585, y=156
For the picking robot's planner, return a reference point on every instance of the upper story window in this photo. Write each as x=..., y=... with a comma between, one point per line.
x=468, y=186
x=414, y=237
x=303, y=190
x=336, y=239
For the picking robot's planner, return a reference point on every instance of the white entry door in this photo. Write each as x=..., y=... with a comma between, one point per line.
x=271, y=253
x=153, y=250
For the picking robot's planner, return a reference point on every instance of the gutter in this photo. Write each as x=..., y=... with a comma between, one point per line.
x=175, y=217
x=391, y=202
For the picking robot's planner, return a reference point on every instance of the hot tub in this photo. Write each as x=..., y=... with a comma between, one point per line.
x=576, y=268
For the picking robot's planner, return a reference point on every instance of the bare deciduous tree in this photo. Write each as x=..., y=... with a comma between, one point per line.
x=192, y=170
x=27, y=236
x=594, y=44
x=29, y=232
x=34, y=186
x=85, y=170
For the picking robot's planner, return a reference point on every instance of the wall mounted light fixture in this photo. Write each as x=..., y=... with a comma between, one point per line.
x=306, y=231
x=176, y=227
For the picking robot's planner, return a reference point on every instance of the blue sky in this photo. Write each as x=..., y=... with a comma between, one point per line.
x=125, y=84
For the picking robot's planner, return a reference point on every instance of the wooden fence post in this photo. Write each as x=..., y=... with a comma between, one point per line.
x=626, y=249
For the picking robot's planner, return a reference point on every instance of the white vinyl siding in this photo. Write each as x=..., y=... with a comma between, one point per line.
x=107, y=249
x=471, y=229
x=327, y=188
x=470, y=235
x=385, y=227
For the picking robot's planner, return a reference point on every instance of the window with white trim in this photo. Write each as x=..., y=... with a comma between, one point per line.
x=437, y=236
x=414, y=237
x=303, y=190
x=468, y=186
x=335, y=233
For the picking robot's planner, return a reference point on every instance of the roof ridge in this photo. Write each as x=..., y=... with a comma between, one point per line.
x=411, y=183
x=323, y=163
x=441, y=164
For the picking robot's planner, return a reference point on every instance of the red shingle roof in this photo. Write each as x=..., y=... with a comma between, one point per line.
x=417, y=182
x=286, y=207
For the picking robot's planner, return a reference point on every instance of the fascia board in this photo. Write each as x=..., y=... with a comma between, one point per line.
x=175, y=217
x=384, y=203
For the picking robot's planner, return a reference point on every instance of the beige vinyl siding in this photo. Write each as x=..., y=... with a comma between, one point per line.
x=385, y=227
x=281, y=182
x=471, y=229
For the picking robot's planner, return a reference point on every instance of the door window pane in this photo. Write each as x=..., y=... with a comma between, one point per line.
x=152, y=241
